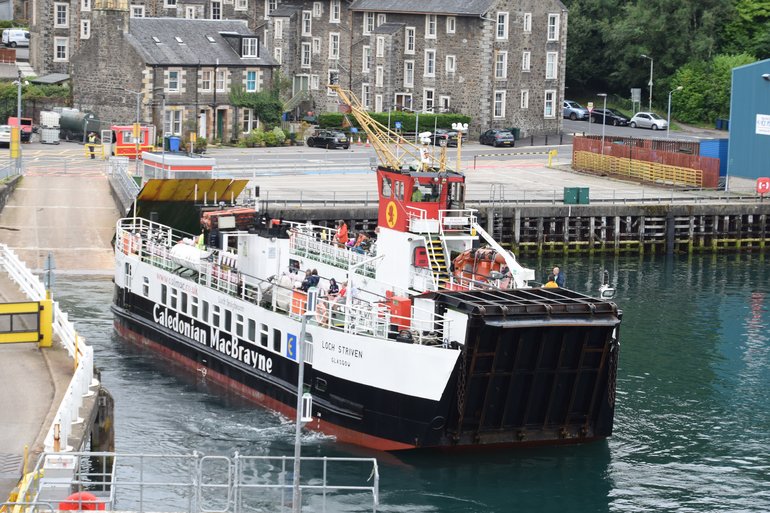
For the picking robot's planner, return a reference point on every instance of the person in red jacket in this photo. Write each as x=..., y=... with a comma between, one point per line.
x=341, y=237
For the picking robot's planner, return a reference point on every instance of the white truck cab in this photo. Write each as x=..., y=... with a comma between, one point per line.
x=15, y=37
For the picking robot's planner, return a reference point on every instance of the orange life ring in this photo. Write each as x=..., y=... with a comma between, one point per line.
x=81, y=501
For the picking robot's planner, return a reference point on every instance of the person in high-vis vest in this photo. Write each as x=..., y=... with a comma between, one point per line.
x=92, y=138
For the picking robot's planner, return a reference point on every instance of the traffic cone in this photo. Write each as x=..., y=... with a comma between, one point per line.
x=359, y=140
x=367, y=142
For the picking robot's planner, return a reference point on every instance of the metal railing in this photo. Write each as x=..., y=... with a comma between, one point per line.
x=197, y=483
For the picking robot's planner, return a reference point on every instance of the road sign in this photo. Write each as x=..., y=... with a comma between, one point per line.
x=763, y=185
x=590, y=107
x=636, y=94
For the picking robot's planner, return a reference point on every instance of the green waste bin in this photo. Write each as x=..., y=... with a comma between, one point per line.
x=570, y=195
x=516, y=133
x=583, y=196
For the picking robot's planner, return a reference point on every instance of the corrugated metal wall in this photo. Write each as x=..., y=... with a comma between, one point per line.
x=749, y=152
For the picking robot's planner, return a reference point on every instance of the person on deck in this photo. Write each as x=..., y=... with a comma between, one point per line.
x=551, y=283
x=558, y=276
x=341, y=237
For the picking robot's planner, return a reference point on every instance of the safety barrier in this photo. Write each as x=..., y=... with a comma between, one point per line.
x=82, y=354
x=637, y=169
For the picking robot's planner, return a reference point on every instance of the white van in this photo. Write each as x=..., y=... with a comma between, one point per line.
x=15, y=37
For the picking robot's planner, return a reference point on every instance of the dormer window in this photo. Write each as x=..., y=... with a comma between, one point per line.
x=211, y=39
x=249, y=47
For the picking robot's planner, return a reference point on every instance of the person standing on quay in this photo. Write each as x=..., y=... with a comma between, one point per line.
x=558, y=276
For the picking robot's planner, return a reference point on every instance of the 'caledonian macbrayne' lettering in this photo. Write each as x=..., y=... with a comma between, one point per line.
x=218, y=340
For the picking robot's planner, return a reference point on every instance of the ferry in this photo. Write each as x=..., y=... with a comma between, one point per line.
x=436, y=336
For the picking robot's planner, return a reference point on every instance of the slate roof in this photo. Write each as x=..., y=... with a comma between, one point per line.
x=389, y=28
x=197, y=49
x=285, y=11
x=451, y=7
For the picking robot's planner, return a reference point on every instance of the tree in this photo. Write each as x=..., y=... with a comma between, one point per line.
x=265, y=104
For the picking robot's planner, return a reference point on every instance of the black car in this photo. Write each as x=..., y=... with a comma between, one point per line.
x=328, y=139
x=442, y=135
x=612, y=117
x=497, y=137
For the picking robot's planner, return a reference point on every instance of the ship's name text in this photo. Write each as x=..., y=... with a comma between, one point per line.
x=342, y=350
x=218, y=340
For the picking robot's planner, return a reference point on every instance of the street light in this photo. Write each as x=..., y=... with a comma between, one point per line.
x=604, y=117
x=650, y=84
x=668, y=119
x=461, y=128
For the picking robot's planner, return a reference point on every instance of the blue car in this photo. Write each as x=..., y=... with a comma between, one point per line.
x=574, y=111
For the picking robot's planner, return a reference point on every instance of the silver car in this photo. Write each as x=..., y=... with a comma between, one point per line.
x=648, y=120
x=5, y=135
x=573, y=110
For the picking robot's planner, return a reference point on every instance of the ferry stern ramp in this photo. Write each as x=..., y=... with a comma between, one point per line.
x=538, y=367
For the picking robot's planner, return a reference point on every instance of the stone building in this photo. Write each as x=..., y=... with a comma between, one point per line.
x=500, y=61
x=180, y=70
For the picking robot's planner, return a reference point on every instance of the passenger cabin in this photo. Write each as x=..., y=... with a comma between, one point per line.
x=125, y=140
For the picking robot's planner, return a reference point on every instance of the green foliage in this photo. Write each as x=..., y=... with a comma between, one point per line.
x=4, y=24
x=254, y=138
x=706, y=93
x=749, y=30
x=407, y=119
x=279, y=135
x=266, y=105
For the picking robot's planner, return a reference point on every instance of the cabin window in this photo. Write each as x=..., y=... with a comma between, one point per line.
x=194, y=307
x=205, y=312
x=426, y=192
x=252, y=330
x=217, y=317
x=164, y=294
x=421, y=257
x=398, y=188
x=263, y=334
x=239, y=325
x=387, y=190
x=184, y=302
x=228, y=321
x=174, y=295
x=277, y=340
x=146, y=286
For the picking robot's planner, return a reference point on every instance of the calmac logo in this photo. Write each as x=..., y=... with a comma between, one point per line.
x=391, y=214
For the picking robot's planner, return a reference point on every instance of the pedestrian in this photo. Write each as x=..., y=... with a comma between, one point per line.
x=334, y=289
x=341, y=237
x=92, y=141
x=558, y=276
x=551, y=283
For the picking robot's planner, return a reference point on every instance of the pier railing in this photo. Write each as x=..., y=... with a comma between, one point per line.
x=82, y=354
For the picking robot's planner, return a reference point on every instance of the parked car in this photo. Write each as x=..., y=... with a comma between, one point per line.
x=573, y=110
x=328, y=139
x=612, y=117
x=5, y=135
x=648, y=120
x=15, y=37
x=497, y=137
x=443, y=135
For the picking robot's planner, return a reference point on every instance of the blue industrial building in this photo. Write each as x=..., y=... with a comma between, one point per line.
x=749, y=149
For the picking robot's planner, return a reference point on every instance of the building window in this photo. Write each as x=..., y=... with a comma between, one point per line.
x=451, y=24
x=502, y=25
x=525, y=98
x=334, y=45
x=316, y=45
x=241, y=5
x=61, y=15
x=366, y=63
x=85, y=29
x=306, y=53
x=431, y=22
x=169, y=4
x=317, y=9
x=172, y=124
x=216, y=10
x=551, y=65
x=270, y=6
x=307, y=23
x=85, y=5
x=251, y=81
x=249, y=121
x=430, y=63
x=366, y=95
x=553, y=27
x=501, y=65
x=190, y=12
x=278, y=54
x=443, y=103
x=368, y=23
x=315, y=82
x=334, y=11
x=172, y=85
x=428, y=99
x=408, y=73
x=527, y=22
x=380, y=46
x=377, y=103
x=525, y=58
x=549, y=110
x=249, y=47
x=137, y=11
x=381, y=18
x=499, y=104
x=379, y=76
x=278, y=29
x=451, y=64
x=334, y=78
x=221, y=80
x=409, y=40
x=206, y=80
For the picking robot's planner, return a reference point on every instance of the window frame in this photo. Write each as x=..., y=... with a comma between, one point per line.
x=527, y=22
x=85, y=29
x=254, y=79
x=252, y=45
x=453, y=60
x=431, y=26
x=410, y=73
x=501, y=93
x=410, y=38
x=429, y=69
x=551, y=65
x=176, y=80
x=451, y=24
x=546, y=93
x=307, y=23
x=335, y=11
x=552, y=29
x=526, y=61
x=501, y=66
x=524, y=99
x=334, y=45
x=368, y=25
x=366, y=56
x=306, y=50
x=428, y=106
x=137, y=9
x=65, y=10
x=278, y=28
x=501, y=23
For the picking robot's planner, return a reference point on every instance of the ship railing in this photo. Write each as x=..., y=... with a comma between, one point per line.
x=457, y=222
x=317, y=243
x=197, y=483
x=419, y=222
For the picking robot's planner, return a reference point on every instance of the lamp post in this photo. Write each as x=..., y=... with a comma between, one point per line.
x=18, y=99
x=668, y=119
x=604, y=116
x=650, y=84
x=461, y=128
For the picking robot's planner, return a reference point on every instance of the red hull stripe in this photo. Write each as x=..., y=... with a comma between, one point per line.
x=341, y=433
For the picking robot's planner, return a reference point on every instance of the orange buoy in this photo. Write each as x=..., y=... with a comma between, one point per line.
x=81, y=501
